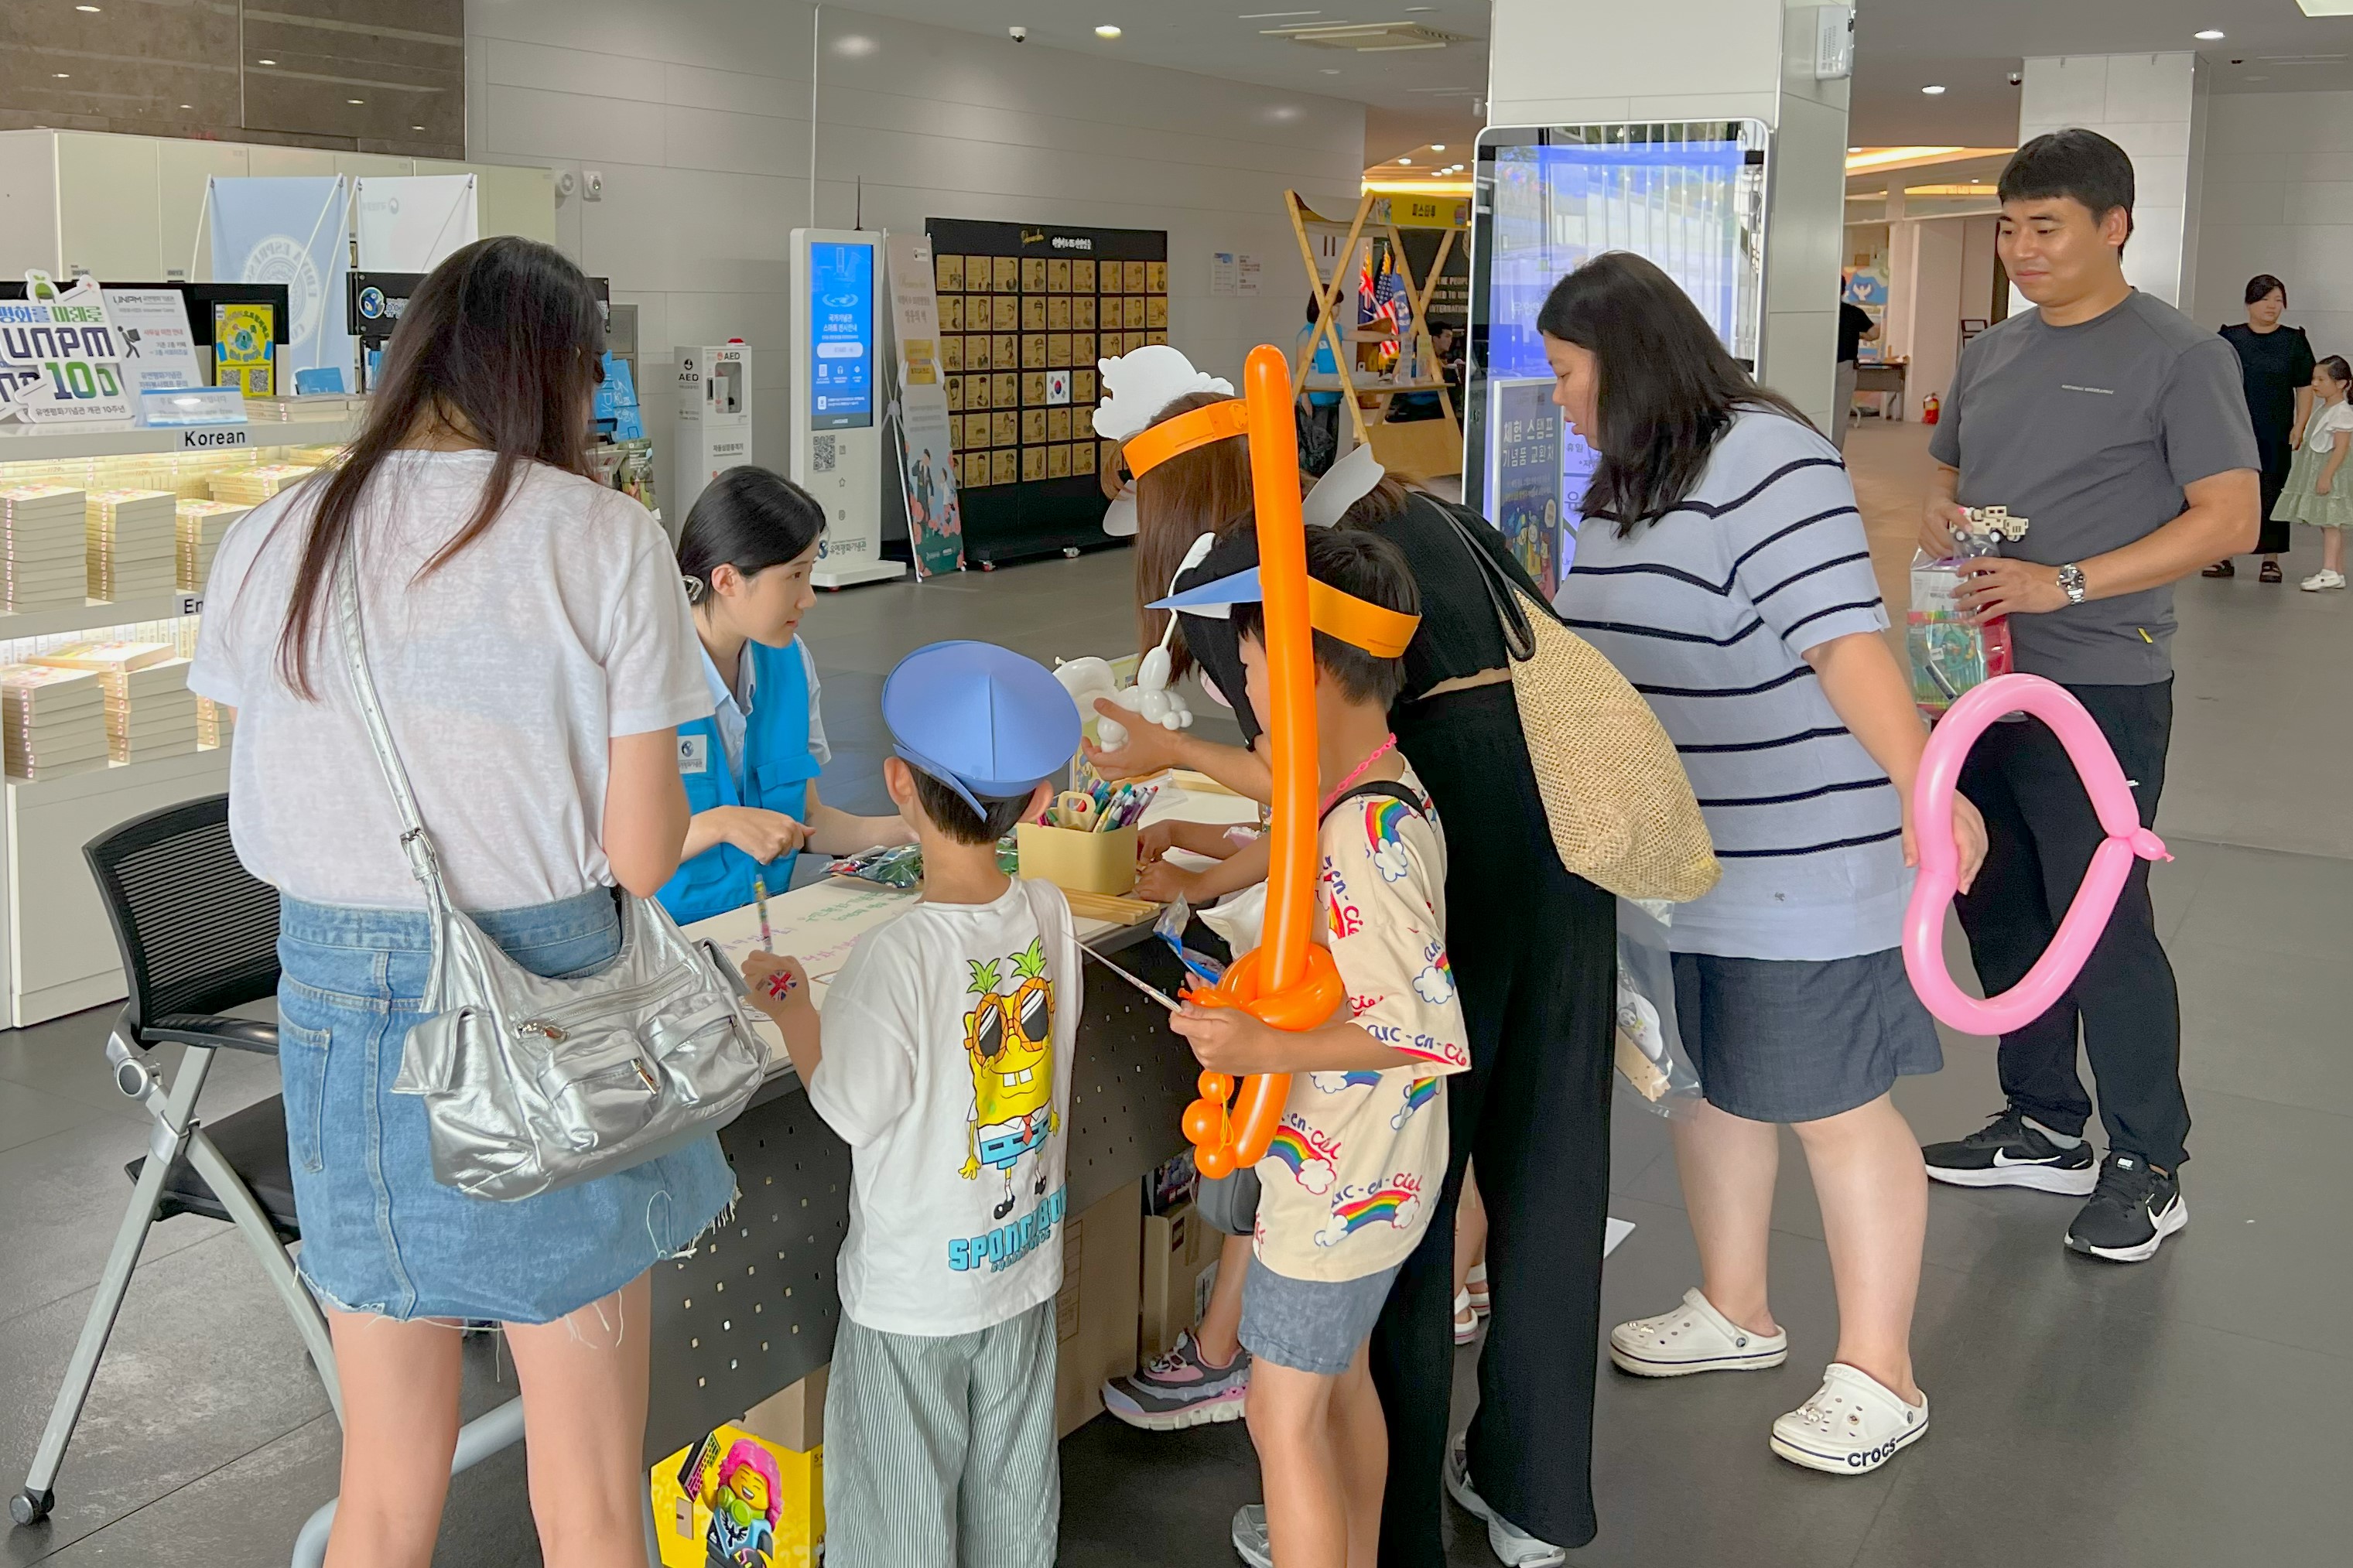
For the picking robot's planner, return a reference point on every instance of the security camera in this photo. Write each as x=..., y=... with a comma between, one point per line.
x=1019, y=35
x=2018, y=78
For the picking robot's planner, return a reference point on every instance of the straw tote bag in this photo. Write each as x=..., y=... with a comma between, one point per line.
x=1614, y=795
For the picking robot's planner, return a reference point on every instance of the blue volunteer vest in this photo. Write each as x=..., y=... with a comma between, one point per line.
x=778, y=767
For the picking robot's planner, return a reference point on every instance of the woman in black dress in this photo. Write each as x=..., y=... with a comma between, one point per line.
x=1535, y=954
x=2275, y=363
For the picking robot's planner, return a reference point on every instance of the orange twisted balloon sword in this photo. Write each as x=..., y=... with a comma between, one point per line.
x=1289, y=980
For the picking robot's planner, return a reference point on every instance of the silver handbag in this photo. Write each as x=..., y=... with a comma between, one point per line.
x=531, y=1084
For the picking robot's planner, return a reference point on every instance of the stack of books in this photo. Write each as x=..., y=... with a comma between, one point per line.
x=319, y=405
x=42, y=548
x=132, y=539
x=150, y=711
x=201, y=524
x=251, y=487
x=54, y=721
x=214, y=724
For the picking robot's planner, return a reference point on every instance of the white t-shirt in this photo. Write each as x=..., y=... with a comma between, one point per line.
x=504, y=676
x=2320, y=433
x=947, y=1071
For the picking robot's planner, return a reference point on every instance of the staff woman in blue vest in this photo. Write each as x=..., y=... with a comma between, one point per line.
x=751, y=768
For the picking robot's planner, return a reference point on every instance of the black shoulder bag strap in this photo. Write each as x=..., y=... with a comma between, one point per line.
x=1389, y=789
x=1519, y=638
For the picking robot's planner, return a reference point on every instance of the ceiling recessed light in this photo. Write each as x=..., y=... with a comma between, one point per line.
x=61, y=76
x=91, y=9
x=265, y=62
x=1107, y=31
x=1404, y=160
x=2209, y=33
x=1932, y=88
x=1854, y=148
x=356, y=100
x=188, y=106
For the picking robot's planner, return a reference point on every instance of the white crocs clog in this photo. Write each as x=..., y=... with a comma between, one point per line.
x=1853, y=1425
x=1694, y=1337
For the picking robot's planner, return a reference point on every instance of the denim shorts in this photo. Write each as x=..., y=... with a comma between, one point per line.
x=379, y=1234
x=1311, y=1325
x=1799, y=1039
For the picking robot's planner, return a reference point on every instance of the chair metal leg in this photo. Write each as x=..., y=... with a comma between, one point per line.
x=478, y=1440
x=168, y=1136
x=254, y=1224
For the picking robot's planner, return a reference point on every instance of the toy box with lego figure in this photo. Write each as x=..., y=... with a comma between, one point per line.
x=735, y=1500
x=1950, y=653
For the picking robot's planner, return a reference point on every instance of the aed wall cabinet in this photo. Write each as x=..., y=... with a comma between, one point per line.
x=714, y=417
x=836, y=412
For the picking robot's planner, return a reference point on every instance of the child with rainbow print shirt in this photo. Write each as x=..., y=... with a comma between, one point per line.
x=1349, y=1183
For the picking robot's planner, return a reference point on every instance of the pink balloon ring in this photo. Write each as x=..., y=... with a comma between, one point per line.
x=1931, y=820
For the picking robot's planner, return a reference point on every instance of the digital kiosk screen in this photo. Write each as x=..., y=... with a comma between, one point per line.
x=842, y=336
x=1689, y=197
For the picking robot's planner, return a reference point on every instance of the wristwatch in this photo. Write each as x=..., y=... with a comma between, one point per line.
x=2070, y=583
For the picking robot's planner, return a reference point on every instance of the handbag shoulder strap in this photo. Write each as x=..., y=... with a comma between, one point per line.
x=423, y=863
x=1511, y=615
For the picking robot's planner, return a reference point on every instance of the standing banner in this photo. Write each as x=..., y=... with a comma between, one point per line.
x=293, y=230
x=61, y=358
x=926, y=440
x=410, y=222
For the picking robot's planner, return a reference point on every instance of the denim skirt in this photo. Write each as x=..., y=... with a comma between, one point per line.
x=379, y=1234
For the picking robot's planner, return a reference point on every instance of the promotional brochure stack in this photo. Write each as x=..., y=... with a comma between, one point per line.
x=133, y=537
x=201, y=525
x=42, y=548
x=54, y=721
x=150, y=711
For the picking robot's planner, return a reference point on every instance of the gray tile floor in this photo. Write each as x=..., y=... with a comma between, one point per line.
x=2186, y=1413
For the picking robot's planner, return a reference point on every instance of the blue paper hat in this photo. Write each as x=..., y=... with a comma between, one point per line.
x=981, y=719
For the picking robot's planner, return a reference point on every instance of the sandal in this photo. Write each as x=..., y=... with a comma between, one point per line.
x=1466, y=1321
x=1475, y=1284
x=2271, y=573
x=2219, y=569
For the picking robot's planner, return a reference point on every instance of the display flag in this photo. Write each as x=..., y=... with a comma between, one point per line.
x=927, y=444
x=293, y=230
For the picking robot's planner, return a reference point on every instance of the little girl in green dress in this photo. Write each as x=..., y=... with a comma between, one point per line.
x=2316, y=492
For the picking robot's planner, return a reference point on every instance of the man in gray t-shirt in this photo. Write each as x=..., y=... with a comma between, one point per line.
x=2117, y=429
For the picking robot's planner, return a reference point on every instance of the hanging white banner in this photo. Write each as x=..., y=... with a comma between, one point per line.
x=410, y=222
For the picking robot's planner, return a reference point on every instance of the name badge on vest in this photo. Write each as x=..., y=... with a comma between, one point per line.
x=694, y=753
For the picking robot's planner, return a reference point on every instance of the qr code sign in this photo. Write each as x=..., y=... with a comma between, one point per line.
x=821, y=454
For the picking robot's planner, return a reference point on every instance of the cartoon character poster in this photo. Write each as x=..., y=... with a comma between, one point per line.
x=1009, y=1039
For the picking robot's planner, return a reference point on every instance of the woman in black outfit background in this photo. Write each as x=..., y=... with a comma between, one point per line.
x=1535, y=954
x=2275, y=363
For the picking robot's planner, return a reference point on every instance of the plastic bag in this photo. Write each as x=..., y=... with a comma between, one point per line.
x=1170, y=929
x=1651, y=1062
x=1948, y=655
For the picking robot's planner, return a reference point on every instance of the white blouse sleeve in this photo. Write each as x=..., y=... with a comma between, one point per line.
x=818, y=748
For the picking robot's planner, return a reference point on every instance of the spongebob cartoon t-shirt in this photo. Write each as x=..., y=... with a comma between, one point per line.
x=947, y=1070
x=1347, y=1186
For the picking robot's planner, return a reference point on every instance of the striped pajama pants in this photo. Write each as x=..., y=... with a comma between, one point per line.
x=941, y=1451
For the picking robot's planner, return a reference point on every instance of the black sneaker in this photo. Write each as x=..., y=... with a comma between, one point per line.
x=2135, y=1209
x=2008, y=1153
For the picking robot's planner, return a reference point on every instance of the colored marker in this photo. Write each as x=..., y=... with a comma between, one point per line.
x=760, y=899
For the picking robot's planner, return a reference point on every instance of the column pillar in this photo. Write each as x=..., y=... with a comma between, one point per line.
x=2153, y=107
x=1551, y=63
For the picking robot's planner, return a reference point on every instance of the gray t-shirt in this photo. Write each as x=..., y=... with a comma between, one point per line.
x=2089, y=433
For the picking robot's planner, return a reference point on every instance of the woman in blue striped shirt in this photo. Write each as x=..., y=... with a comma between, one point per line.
x=1723, y=568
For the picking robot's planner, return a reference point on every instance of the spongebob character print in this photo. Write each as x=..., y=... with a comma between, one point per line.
x=1009, y=1037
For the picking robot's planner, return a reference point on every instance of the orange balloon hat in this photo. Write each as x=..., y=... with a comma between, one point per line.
x=1289, y=980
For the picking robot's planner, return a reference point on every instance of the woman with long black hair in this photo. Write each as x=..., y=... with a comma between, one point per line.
x=1535, y=954
x=1722, y=567
x=530, y=641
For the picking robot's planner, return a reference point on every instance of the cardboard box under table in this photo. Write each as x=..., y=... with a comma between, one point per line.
x=753, y=1311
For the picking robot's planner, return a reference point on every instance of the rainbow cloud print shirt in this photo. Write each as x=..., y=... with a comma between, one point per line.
x=1346, y=1182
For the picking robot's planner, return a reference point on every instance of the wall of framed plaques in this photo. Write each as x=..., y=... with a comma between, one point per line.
x=1026, y=310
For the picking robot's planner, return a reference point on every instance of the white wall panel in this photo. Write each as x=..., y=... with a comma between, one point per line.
x=696, y=113
x=2278, y=198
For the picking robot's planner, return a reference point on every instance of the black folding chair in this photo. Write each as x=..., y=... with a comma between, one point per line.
x=198, y=936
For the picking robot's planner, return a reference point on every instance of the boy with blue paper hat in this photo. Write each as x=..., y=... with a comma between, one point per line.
x=944, y=1061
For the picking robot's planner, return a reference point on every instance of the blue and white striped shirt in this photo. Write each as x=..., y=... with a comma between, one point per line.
x=1709, y=611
